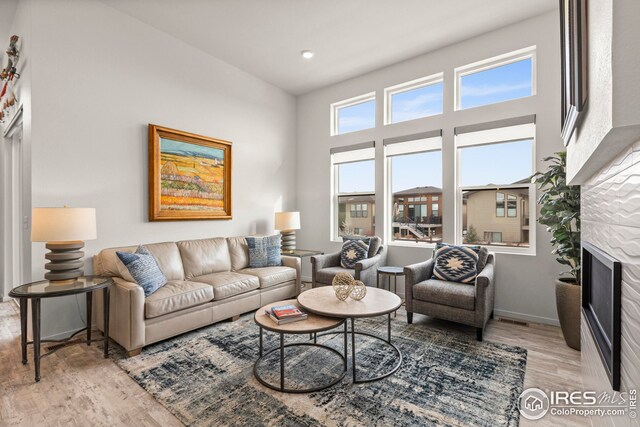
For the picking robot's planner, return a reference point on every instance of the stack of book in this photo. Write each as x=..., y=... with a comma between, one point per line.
x=283, y=314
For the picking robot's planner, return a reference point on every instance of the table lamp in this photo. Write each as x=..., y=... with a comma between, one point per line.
x=287, y=223
x=64, y=230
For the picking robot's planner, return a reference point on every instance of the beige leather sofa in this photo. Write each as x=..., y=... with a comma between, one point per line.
x=208, y=280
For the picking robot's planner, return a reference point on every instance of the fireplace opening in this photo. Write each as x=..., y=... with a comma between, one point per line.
x=601, y=306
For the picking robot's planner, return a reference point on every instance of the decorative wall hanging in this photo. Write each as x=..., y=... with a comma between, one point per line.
x=8, y=76
x=189, y=176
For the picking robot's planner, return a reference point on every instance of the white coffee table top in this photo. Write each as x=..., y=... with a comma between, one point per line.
x=323, y=301
x=313, y=322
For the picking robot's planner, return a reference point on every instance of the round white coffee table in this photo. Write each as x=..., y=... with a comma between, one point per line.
x=311, y=325
x=377, y=302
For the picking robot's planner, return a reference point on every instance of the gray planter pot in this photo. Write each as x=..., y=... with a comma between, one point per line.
x=568, y=305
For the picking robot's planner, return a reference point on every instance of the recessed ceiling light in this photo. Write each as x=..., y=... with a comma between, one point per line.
x=307, y=54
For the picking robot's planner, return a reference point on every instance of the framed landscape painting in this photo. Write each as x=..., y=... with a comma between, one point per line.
x=189, y=176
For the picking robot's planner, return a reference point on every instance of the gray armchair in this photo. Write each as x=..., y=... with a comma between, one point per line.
x=469, y=304
x=325, y=267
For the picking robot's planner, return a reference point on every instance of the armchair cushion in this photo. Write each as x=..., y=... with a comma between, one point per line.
x=353, y=251
x=455, y=263
x=325, y=275
x=443, y=292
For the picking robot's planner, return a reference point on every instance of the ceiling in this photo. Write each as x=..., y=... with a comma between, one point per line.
x=349, y=37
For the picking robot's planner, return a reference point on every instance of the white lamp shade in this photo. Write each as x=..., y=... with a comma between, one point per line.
x=63, y=224
x=286, y=221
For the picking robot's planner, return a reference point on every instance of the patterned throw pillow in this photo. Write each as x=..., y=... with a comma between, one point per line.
x=353, y=251
x=264, y=251
x=373, y=242
x=455, y=263
x=144, y=269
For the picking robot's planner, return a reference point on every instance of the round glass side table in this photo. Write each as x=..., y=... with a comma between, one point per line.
x=49, y=289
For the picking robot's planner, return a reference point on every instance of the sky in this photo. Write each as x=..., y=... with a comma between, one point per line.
x=498, y=84
x=482, y=165
x=171, y=146
x=503, y=163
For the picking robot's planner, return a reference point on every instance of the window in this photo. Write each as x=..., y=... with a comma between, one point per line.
x=494, y=178
x=353, y=114
x=499, y=204
x=414, y=176
x=512, y=206
x=359, y=210
x=493, y=236
x=413, y=100
x=354, y=193
x=498, y=79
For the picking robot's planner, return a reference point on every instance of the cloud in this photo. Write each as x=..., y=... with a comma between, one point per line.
x=493, y=89
x=423, y=105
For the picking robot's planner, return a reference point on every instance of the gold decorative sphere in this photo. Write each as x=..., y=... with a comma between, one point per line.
x=342, y=285
x=359, y=290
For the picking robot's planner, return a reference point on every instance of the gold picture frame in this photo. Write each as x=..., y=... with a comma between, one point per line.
x=189, y=176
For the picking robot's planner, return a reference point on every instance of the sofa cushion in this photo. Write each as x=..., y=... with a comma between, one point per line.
x=143, y=269
x=204, y=256
x=353, y=251
x=239, y=252
x=271, y=276
x=169, y=260
x=325, y=275
x=453, y=294
x=227, y=284
x=176, y=295
x=456, y=263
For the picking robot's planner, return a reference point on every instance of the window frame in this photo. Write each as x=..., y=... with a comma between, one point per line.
x=353, y=156
x=337, y=106
x=434, y=143
x=406, y=87
x=490, y=63
x=499, y=135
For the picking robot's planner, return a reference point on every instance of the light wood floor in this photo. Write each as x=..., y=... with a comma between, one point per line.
x=79, y=387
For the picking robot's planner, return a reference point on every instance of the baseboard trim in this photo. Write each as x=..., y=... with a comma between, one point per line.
x=526, y=317
x=305, y=279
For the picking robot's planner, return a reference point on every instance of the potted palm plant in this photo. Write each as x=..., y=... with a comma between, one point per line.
x=560, y=212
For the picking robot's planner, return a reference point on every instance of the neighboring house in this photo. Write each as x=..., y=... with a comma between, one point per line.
x=496, y=216
x=356, y=215
x=417, y=214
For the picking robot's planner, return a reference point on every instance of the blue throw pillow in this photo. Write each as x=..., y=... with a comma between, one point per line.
x=144, y=269
x=455, y=263
x=264, y=251
x=353, y=251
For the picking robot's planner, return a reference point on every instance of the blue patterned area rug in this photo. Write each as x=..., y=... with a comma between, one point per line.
x=205, y=378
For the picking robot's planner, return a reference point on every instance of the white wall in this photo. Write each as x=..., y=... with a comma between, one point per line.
x=610, y=121
x=525, y=284
x=99, y=77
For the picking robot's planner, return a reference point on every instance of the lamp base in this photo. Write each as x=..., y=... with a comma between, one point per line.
x=288, y=241
x=66, y=261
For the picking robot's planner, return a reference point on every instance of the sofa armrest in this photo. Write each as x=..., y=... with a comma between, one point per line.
x=126, y=313
x=296, y=264
x=416, y=273
x=485, y=292
x=318, y=262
